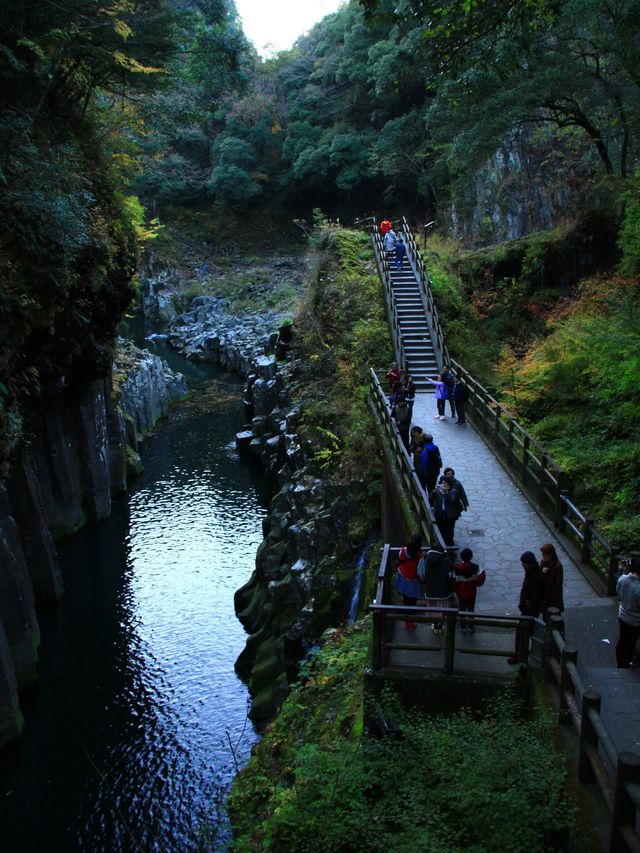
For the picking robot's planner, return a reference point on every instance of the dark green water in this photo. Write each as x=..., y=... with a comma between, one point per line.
x=137, y=721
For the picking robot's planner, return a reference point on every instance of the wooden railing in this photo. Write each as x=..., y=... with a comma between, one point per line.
x=544, y=481
x=383, y=271
x=404, y=467
x=386, y=614
x=617, y=774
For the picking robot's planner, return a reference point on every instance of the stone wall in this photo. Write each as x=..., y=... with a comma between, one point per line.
x=80, y=452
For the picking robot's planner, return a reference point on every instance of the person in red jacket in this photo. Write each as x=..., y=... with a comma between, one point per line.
x=467, y=577
x=408, y=577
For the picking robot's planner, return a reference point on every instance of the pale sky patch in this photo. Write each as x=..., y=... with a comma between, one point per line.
x=274, y=25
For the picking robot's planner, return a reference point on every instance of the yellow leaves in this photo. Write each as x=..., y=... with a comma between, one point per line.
x=276, y=127
x=123, y=29
x=134, y=66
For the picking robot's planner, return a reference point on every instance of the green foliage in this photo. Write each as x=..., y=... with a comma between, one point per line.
x=341, y=331
x=630, y=230
x=317, y=783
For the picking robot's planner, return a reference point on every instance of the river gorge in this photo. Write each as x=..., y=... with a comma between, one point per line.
x=137, y=722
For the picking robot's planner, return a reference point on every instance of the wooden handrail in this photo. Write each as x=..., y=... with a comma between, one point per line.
x=385, y=614
x=404, y=465
x=581, y=707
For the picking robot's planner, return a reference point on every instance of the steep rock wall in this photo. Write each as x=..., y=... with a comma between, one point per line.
x=80, y=452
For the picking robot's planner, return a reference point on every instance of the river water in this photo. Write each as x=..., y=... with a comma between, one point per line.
x=134, y=729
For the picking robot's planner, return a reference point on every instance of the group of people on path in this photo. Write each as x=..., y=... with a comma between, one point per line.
x=393, y=244
x=445, y=493
x=431, y=576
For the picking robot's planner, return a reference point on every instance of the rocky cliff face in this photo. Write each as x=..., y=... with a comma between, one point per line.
x=303, y=576
x=80, y=452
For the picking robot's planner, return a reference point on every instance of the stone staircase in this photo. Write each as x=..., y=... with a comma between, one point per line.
x=412, y=319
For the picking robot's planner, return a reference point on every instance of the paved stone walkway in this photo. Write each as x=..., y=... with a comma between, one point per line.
x=500, y=523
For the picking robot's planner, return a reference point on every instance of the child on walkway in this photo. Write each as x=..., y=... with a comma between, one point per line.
x=467, y=577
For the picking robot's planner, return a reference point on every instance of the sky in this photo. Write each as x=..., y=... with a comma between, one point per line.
x=274, y=25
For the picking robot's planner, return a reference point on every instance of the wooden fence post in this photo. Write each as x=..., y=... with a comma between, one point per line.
x=614, y=568
x=510, y=443
x=449, y=642
x=523, y=637
x=587, y=540
x=544, y=461
x=547, y=643
x=588, y=738
x=377, y=640
x=563, y=497
x=624, y=808
x=567, y=656
x=560, y=493
x=525, y=459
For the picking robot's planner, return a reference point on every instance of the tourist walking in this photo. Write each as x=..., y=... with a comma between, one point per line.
x=467, y=577
x=449, y=379
x=409, y=391
x=441, y=396
x=628, y=590
x=437, y=583
x=385, y=226
x=401, y=253
x=389, y=241
x=445, y=510
x=408, y=576
x=416, y=436
x=553, y=577
x=428, y=463
x=457, y=490
x=460, y=395
x=531, y=594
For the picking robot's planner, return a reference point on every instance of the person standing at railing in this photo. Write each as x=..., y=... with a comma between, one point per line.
x=449, y=379
x=457, y=490
x=409, y=571
x=409, y=389
x=437, y=583
x=393, y=377
x=401, y=412
x=460, y=396
x=441, y=397
x=467, y=577
x=532, y=592
x=553, y=574
x=628, y=590
x=427, y=461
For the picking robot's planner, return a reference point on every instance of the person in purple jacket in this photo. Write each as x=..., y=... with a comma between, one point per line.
x=441, y=396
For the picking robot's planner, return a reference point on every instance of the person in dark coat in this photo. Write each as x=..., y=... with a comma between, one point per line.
x=457, y=490
x=401, y=253
x=437, y=583
x=449, y=379
x=460, y=395
x=402, y=414
x=553, y=573
x=532, y=592
x=409, y=391
x=445, y=510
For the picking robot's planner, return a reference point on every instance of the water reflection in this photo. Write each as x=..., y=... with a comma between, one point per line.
x=138, y=706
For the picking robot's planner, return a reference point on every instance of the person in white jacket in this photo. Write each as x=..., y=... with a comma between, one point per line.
x=628, y=590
